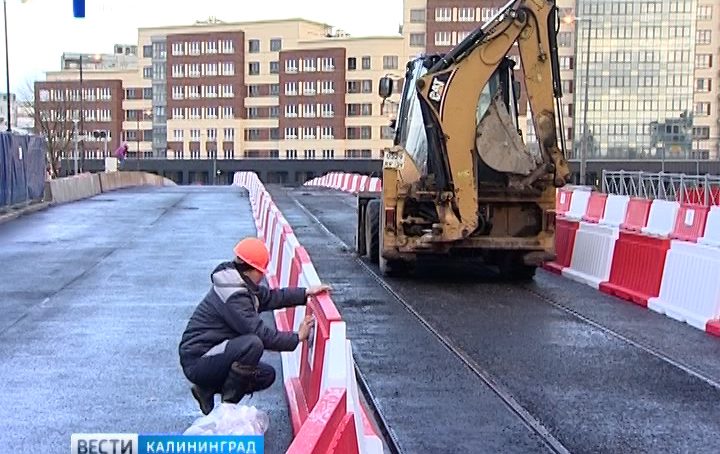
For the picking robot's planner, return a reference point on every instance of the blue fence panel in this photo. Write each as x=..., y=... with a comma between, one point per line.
x=22, y=168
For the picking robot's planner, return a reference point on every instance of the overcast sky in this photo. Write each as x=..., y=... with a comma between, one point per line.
x=41, y=30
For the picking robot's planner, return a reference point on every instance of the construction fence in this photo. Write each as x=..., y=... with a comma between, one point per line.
x=22, y=168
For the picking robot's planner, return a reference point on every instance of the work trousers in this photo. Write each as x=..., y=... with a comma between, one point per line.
x=210, y=370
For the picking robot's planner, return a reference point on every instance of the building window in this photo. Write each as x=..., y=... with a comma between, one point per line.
x=147, y=93
x=211, y=69
x=226, y=91
x=194, y=154
x=703, y=61
x=210, y=91
x=291, y=88
x=178, y=113
x=212, y=134
x=211, y=112
x=147, y=51
x=177, y=49
x=703, y=36
x=327, y=132
x=274, y=89
x=274, y=112
x=327, y=64
x=229, y=153
x=417, y=39
x=178, y=71
x=291, y=154
x=228, y=112
x=443, y=14
x=147, y=72
x=358, y=154
x=328, y=154
x=702, y=109
x=193, y=70
x=254, y=68
x=351, y=63
x=275, y=45
x=229, y=134
x=366, y=62
x=417, y=16
x=565, y=39
x=291, y=110
x=308, y=65
x=253, y=46
x=327, y=86
x=701, y=133
x=357, y=110
x=291, y=133
x=567, y=86
x=390, y=62
x=487, y=13
x=566, y=62
x=291, y=66
x=386, y=132
x=227, y=69
x=195, y=134
x=443, y=38
x=678, y=31
x=308, y=110
x=466, y=14
x=327, y=110
x=177, y=92
x=704, y=12
x=274, y=67
x=703, y=85
x=252, y=112
x=353, y=86
x=309, y=154
x=211, y=47
x=253, y=91
x=227, y=46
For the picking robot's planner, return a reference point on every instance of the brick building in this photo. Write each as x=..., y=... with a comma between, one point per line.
x=288, y=89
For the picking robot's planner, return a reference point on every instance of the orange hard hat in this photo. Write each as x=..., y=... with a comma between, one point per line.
x=253, y=252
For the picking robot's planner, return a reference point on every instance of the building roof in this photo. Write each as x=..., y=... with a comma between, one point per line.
x=238, y=24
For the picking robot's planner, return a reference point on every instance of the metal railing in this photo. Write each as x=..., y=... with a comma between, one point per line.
x=698, y=189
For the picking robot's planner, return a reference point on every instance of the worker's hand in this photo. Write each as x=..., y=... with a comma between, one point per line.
x=306, y=327
x=317, y=289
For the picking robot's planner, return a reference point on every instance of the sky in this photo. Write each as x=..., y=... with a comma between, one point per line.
x=39, y=31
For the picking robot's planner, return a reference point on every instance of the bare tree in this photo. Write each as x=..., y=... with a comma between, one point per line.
x=53, y=117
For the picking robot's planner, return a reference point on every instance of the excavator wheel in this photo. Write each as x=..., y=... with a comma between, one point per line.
x=372, y=230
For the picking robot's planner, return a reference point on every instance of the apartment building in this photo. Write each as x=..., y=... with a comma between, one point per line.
x=287, y=89
x=706, y=102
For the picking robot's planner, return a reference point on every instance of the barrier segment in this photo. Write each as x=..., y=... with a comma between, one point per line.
x=347, y=182
x=325, y=418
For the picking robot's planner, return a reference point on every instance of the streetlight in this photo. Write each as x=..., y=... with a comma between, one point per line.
x=7, y=67
x=583, y=151
x=79, y=61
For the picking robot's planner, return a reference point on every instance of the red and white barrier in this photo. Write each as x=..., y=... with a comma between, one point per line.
x=347, y=182
x=595, y=243
x=320, y=384
x=566, y=226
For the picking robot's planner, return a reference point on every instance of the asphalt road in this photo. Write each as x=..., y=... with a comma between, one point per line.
x=599, y=374
x=95, y=296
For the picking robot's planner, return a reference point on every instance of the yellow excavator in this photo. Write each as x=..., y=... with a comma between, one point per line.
x=459, y=179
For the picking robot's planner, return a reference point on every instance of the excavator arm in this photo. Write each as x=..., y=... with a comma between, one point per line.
x=461, y=75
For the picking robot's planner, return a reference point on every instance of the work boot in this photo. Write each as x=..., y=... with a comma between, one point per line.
x=240, y=380
x=205, y=398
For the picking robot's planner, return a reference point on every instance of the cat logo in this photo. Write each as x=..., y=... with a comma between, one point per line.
x=436, y=90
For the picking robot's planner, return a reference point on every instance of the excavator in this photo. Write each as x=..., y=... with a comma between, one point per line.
x=459, y=179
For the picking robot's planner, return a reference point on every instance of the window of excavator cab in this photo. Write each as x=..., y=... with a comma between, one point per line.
x=486, y=97
x=412, y=127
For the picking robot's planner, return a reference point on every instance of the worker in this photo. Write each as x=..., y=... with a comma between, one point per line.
x=225, y=337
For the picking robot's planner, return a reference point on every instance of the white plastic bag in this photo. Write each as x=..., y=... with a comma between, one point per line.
x=231, y=419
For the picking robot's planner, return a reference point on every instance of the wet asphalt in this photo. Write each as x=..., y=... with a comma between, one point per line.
x=94, y=297
x=600, y=374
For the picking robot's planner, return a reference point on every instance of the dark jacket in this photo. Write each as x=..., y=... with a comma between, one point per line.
x=231, y=308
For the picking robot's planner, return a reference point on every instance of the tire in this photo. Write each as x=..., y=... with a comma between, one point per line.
x=372, y=230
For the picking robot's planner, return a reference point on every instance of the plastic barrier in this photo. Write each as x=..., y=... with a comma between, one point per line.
x=76, y=187
x=566, y=227
x=639, y=260
x=637, y=214
x=595, y=244
x=347, y=182
x=711, y=236
x=690, y=223
x=320, y=382
x=562, y=201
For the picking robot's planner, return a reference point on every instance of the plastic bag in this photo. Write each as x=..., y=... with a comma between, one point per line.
x=231, y=419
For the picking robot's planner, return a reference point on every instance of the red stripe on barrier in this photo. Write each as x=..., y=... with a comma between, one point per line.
x=690, y=223
x=565, y=231
x=713, y=327
x=637, y=267
x=324, y=427
x=562, y=201
x=297, y=406
x=637, y=214
x=595, y=208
